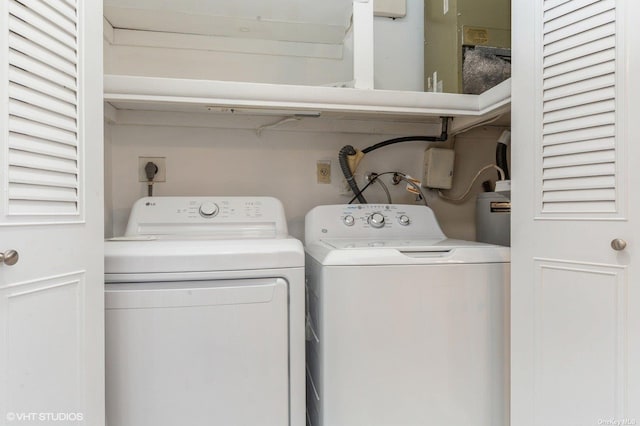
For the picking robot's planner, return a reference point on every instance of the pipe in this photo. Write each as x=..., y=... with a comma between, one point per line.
x=444, y=135
x=501, y=153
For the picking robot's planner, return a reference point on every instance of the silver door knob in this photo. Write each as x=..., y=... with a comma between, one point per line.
x=9, y=257
x=618, y=244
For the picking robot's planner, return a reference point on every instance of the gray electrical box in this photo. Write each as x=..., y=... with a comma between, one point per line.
x=475, y=32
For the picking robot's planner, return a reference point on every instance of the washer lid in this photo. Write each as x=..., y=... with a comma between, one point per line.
x=148, y=254
x=430, y=245
x=348, y=252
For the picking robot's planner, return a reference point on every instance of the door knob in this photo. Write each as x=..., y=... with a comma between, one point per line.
x=9, y=257
x=618, y=244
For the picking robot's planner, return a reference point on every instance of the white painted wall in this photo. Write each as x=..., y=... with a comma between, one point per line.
x=204, y=161
x=209, y=161
x=399, y=50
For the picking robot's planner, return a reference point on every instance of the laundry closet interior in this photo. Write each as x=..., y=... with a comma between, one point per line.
x=182, y=179
x=179, y=86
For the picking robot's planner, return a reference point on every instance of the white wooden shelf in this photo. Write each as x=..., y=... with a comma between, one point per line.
x=132, y=93
x=308, y=21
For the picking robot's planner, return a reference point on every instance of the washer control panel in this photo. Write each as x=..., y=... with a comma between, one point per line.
x=372, y=220
x=376, y=217
x=377, y=220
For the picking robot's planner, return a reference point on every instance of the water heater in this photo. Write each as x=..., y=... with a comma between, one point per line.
x=493, y=219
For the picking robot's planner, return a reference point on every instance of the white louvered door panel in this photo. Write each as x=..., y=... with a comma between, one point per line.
x=575, y=325
x=578, y=151
x=51, y=212
x=43, y=154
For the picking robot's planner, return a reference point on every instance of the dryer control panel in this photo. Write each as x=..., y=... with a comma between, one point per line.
x=207, y=216
x=372, y=221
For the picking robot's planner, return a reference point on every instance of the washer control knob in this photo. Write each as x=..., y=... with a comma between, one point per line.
x=208, y=209
x=376, y=220
x=349, y=220
x=404, y=220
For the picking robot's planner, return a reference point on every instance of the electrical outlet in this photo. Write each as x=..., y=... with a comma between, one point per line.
x=161, y=162
x=323, y=171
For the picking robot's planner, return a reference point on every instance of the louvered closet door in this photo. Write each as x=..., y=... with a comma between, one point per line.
x=51, y=210
x=576, y=170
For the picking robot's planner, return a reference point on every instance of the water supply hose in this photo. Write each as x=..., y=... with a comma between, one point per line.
x=348, y=151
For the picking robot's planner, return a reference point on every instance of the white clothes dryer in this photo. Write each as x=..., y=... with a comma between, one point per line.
x=204, y=305
x=405, y=326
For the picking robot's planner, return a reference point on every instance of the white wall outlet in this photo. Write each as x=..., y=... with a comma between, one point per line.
x=161, y=162
x=438, y=168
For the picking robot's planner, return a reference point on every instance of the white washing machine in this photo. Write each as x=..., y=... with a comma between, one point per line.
x=204, y=302
x=405, y=326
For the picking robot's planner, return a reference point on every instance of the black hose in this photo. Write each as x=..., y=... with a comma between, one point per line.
x=374, y=178
x=444, y=135
x=350, y=150
x=346, y=171
x=501, y=159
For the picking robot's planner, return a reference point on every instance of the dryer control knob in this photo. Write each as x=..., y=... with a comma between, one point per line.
x=404, y=220
x=208, y=209
x=349, y=220
x=376, y=220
